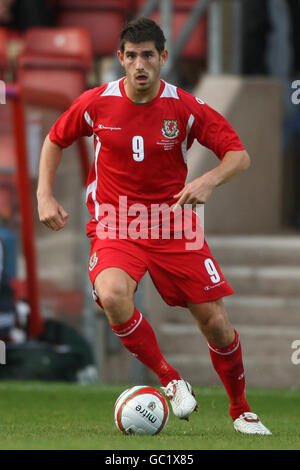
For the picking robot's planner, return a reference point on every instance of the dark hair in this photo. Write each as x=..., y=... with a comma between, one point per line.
x=141, y=30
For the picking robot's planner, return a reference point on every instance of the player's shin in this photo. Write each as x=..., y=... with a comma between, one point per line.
x=228, y=363
x=138, y=337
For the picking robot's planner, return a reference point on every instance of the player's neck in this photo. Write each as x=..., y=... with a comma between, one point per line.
x=141, y=96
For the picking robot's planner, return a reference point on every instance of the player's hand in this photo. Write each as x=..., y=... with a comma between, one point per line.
x=51, y=213
x=195, y=192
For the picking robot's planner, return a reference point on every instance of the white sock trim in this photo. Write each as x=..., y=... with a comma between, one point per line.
x=132, y=329
x=225, y=353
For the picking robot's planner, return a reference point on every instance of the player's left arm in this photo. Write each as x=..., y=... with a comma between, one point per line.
x=213, y=131
x=199, y=190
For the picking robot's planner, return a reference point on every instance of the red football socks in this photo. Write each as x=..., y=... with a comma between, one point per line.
x=228, y=364
x=139, y=338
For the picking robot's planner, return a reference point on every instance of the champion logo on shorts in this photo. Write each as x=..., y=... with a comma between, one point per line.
x=93, y=261
x=212, y=287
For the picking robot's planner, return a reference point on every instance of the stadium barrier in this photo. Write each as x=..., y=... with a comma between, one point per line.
x=21, y=97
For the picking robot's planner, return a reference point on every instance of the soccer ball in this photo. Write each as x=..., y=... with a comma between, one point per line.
x=141, y=410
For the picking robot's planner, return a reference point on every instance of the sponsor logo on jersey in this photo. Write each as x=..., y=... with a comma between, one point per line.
x=93, y=261
x=109, y=128
x=199, y=100
x=170, y=128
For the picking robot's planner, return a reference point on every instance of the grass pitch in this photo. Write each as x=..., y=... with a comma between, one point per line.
x=59, y=416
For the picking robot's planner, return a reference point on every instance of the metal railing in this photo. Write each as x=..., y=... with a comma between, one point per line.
x=214, y=9
x=20, y=97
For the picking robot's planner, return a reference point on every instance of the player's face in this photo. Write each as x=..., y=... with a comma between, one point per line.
x=142, y=63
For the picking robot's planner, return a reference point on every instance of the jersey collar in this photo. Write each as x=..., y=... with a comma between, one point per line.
x=122, y=89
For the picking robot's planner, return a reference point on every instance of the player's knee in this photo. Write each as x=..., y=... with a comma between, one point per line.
x=216, y=323
x=112, y=297
x=212, y=317
x=217, y=328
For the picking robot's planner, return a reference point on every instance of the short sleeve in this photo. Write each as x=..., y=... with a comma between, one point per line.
x=213, y=131
x=73, y=123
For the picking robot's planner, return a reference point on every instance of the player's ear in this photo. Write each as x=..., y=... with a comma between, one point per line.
x=120, y=55
x=163, y=57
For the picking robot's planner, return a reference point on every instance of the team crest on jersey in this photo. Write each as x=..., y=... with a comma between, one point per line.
x=93, y=261
x=170, y=128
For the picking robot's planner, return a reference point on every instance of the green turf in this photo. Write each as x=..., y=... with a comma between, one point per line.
x=36, y=415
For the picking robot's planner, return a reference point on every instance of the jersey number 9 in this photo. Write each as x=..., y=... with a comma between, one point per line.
x=138, y=148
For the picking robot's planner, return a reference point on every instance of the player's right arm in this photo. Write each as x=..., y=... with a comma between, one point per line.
x=51, y=213
x=71, y=125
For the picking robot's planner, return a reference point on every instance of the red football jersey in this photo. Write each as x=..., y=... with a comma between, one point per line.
x=140, y=149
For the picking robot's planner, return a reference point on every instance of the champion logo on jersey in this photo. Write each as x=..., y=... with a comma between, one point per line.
x=109, y=128
x=170, y=128
x=199, y=100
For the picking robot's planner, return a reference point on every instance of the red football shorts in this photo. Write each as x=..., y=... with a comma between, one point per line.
x=179, y=275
